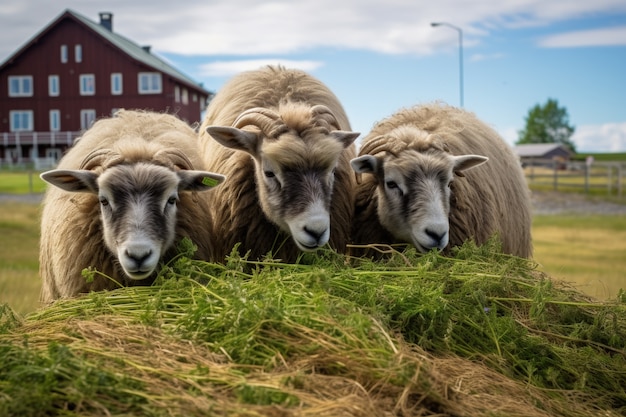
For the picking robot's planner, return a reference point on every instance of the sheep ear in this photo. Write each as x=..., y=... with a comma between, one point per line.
x=347, y=138
x=198, y=180
x=234, y=138
x=82, y=181
x=365, y=164
x=465, y=162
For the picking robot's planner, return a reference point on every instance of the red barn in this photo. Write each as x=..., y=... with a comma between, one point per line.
x=75, y=71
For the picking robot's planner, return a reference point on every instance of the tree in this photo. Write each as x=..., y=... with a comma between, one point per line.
x=547, y=124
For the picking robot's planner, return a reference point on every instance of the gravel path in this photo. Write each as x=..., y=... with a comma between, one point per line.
x=550, y=202
x=544, y=202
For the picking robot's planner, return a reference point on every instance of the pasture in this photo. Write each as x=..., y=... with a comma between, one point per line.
x=587, y=251
x=479, y=334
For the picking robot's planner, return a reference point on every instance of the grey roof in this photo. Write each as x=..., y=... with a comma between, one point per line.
x=538, y=149
x=128, y=47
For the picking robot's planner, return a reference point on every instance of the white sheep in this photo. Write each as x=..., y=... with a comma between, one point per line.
x=284, y=141
x=121, y=198
x=438, y=176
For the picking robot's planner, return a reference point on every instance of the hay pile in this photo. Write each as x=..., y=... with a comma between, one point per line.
x=480, y=334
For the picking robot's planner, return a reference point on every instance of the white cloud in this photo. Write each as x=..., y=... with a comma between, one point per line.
x=608, y=137
x=603, y=138
x=252, y=27
x=483, y=57
x=229, y=68
x=596, y=37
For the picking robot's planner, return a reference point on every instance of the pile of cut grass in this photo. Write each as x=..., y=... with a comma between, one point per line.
x=479, y=334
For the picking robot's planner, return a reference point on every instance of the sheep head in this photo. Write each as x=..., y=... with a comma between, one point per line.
x=138, y=204
x=414, y=188
x=295, y=151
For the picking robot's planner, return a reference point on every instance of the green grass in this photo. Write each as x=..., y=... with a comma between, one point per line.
x=20, y=182
x=586, y=250
x=480, y=334
x=604, y=157
x=19, y=256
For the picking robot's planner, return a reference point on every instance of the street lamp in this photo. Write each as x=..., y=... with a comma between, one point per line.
x=458, y=29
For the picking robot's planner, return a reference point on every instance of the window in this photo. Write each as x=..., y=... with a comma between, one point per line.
x=20, y=86
x=87, y=117
x=194, y=97
x=116, y=83
x=54, y=154
x=55, y=120
x=78, y=53
x=150, y=83
x=87, y=84
x=185, y=96
x=176, y=94
x=53, y=85
x=63, y=54
x=21, y=120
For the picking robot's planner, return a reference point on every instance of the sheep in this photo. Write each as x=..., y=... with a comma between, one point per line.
x=437, y=176
x=283, y=139
x=119, y=201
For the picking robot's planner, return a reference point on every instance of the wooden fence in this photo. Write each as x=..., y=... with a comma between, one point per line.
x=606, y=178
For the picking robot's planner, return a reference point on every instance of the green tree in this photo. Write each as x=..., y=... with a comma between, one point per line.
x=547, y=124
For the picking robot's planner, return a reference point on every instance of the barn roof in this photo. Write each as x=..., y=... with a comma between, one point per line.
x=540, y=149
x=130, y=48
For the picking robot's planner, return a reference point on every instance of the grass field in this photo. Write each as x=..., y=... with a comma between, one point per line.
x=586, y=250
x=20, y=182
x=19, y=263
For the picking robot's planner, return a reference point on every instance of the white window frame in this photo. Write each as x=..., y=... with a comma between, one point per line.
x=150, y=83
x=117, y=84
x=176, y=94
x=85, y=80
x=53, y=154
x=20, y=85
x=55, y=120
x=185, y=96
x=78, y=53
x=54, y=86
x=64, y=54
x=87, y=118
x=17, y=127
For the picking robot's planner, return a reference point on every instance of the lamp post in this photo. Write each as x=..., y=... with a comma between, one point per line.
x=458, y=29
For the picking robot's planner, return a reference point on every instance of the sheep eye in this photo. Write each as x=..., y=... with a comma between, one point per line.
x=104, y=201
x=172, y=200
x=269, y=174
x=391, y=184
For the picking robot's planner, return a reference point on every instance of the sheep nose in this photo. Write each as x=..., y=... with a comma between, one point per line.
x=139, y=256
x=436, y=236
x=315, y=234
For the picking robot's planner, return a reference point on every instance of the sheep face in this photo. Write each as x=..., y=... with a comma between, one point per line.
x=295, y=173
x=138, y=204
x=414, y=193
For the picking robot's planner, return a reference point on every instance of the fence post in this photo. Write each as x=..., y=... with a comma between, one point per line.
x=619, y=181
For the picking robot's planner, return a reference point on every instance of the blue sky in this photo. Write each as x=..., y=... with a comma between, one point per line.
x=378, y=56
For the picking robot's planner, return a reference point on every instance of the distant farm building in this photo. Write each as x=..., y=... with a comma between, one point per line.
x=543, y=153
x=75, y=71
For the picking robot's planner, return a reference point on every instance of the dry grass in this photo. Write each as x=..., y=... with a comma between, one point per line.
x=19, y=256
x=481, y=334
x=588, y=251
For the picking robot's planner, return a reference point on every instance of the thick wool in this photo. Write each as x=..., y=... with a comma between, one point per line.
x=71, y=227
x=237, y=212
x=487, y=200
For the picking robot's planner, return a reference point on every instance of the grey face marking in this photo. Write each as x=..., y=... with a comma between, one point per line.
x=138, y=208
